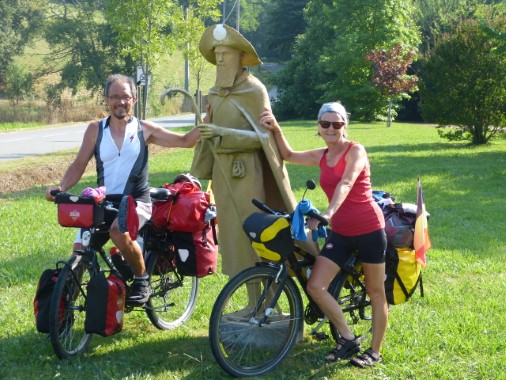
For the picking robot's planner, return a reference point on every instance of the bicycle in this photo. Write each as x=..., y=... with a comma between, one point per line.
x=253, y=341
x=171, y=304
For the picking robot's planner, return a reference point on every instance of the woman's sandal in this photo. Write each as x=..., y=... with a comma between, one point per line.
x=367, y=359
x=347, y=349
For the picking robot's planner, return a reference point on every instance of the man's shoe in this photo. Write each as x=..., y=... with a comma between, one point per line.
x=140, y=291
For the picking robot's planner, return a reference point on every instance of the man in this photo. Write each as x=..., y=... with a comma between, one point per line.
x=119, y=143
x=236, y=152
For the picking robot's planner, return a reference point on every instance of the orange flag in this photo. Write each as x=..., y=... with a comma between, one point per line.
x=421, y=241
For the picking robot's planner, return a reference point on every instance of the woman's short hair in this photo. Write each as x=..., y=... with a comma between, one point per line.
x=336, y=107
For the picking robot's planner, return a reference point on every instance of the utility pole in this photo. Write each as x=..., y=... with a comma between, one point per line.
x=186, y=62
x=238, y=14
x=224, y=18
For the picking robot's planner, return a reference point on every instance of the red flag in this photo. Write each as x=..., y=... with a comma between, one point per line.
x=421, y=240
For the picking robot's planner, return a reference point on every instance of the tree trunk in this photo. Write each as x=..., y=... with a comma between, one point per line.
x=389, y=117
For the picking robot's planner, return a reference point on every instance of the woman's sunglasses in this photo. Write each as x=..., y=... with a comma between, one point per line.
x=335, y=124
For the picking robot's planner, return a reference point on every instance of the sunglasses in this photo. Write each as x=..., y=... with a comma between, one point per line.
x=335, y=124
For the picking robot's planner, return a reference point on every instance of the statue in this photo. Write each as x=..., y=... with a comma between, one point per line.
x=238, y=154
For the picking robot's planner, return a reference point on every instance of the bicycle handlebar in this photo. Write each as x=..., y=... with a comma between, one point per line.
x=115, y=198
x=155, y=193
x=312, y=214
x=262, y=206
x=318, y=217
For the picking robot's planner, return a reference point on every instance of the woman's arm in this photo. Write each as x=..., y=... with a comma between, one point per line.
x=307, y=157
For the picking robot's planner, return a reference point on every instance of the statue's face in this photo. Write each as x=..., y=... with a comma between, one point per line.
x=228, y=66
x=226, y=56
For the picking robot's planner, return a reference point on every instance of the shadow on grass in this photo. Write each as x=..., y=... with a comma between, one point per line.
x=118, y=356
x=463, y=191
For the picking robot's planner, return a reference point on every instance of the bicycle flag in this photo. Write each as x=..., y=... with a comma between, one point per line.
x=421, y=241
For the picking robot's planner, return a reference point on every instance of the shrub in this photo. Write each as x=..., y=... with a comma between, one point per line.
x=463, y=86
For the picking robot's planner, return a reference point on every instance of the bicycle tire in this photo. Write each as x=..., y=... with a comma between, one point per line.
x=242, y=346
x=351, y=295
x=174, y=296
x=67, y=312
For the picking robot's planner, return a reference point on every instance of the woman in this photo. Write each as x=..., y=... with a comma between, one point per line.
x=356, y=222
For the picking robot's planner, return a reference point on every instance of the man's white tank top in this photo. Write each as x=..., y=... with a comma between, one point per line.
x=125, y=170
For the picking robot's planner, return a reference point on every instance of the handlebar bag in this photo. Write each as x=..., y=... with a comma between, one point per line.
x=270, y=235
x=79, y=211
x=105, y=305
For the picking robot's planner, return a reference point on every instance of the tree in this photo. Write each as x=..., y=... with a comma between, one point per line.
x=156, y=27
x=463, y=83
x=361, y=26
x=277, y=24
x=299, y=82
x=389, y=73
x=284, y=22
x=338, y=37
x=83, y=48
x=18, y=83
x=437, y=17
x=21, y=20
x=188, y=31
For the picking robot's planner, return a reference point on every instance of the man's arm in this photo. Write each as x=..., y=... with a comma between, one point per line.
x=155, y=134
x=76, y=169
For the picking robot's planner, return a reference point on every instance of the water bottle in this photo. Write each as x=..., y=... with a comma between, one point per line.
x=121, y=265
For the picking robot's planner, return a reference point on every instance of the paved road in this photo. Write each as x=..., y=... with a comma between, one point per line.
x=41, y=141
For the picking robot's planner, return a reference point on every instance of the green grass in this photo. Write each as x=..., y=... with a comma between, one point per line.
x=6, y=127
x=457, y=331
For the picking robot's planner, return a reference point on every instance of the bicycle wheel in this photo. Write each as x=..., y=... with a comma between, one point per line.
x=174, y=296
x=350, y=293
x=68, y=310
x=243, y=345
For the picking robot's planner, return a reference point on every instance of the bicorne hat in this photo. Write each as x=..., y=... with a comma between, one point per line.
x=224, y=35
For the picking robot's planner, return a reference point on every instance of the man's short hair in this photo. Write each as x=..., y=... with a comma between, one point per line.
x=121, y=79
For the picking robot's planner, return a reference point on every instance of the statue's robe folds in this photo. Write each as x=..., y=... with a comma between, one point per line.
x=250, y=166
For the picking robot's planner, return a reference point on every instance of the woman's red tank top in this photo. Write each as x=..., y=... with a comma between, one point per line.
x=359, y=214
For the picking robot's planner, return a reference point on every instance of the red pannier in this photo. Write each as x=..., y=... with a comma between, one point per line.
x=42, y=300
x=105, y=305
x=184, y=211
x=79, y=211
x=197, y=252
x=191, y=218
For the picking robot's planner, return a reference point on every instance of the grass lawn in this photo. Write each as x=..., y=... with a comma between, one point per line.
x=457, y=331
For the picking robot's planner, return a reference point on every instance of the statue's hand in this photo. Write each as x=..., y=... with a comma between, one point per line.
x=208, y=130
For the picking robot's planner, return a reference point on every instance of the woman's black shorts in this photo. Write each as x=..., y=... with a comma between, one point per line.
x=371, y=247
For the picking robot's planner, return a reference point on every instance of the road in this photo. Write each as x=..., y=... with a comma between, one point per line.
x=14, y=145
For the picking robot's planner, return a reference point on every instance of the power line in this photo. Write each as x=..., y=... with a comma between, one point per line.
x=237, y=4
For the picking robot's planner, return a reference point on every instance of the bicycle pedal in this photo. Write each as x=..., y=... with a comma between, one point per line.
x=319, y=336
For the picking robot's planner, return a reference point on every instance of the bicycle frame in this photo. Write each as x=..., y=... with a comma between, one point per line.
x=170, y=305
x=351, y=271
x=264, y=300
